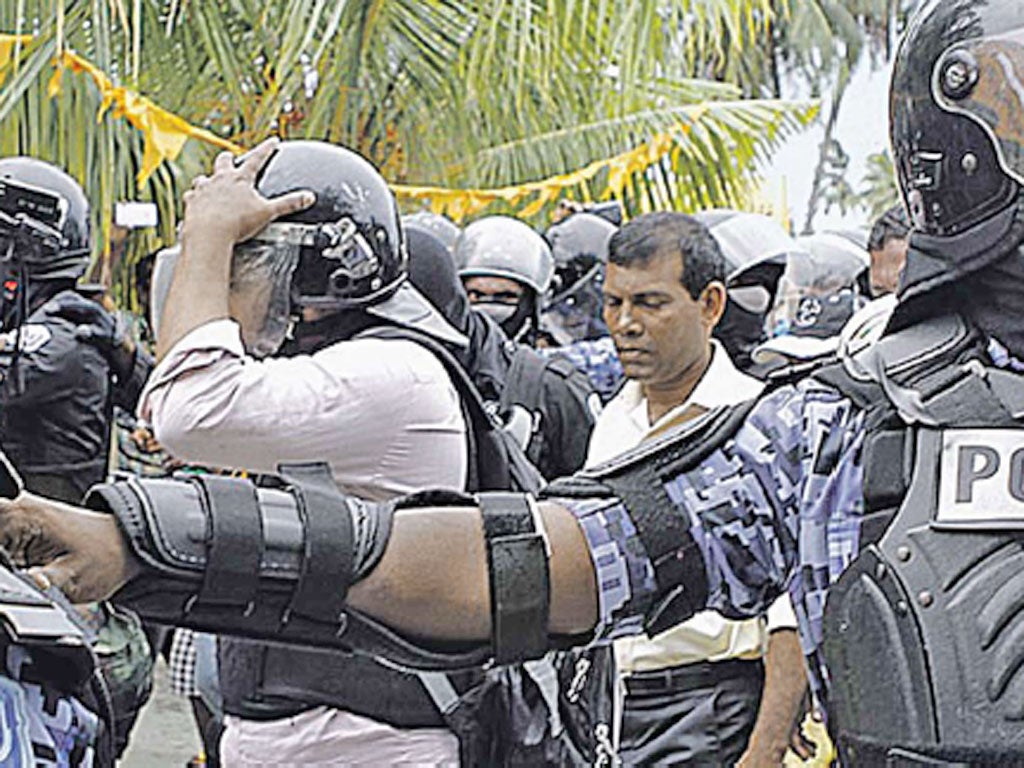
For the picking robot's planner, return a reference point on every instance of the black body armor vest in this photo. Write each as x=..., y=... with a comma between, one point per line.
x=924, y=632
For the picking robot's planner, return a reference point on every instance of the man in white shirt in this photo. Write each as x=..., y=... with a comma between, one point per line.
x=692, y=693
x=382, y=413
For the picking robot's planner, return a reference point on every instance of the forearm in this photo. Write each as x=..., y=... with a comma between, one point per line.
x=199, y=289
x=784, y=686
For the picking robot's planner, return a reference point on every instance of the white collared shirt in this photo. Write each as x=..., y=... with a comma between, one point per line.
x=623, y=425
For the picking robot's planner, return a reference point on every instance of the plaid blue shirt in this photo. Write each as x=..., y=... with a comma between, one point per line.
x=778, y=507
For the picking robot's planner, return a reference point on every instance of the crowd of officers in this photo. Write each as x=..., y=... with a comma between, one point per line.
x=580, y=342
x=416, y=359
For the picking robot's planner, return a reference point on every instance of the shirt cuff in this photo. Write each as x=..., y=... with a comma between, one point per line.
x=780, y=615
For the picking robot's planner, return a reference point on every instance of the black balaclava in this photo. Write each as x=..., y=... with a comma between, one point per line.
x=518, y=322
x=489, y=354
x=740, y=332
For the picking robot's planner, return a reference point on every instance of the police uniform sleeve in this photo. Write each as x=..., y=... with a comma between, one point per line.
x=721, y=514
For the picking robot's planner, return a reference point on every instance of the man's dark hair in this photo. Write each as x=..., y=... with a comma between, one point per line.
x=667, y=233
x=893, y=224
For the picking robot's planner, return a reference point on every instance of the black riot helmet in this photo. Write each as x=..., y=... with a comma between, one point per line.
x=955, y=117
x=344, y=253
x=441, y=227
x=44, y=221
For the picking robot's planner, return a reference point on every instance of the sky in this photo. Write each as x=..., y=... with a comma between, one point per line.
x=862, y=130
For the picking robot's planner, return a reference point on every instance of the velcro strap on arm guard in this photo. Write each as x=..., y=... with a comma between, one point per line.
x=517, y=557
x=235, y=542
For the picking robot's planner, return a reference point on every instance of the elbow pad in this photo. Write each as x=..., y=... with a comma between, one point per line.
x=275, y=563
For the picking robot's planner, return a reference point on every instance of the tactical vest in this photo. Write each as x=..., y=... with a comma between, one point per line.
x=262, y=682
x=924, y=632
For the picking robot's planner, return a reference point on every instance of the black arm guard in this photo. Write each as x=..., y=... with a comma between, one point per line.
x=274, y=563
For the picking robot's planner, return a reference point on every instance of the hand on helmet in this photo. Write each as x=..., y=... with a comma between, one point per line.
x=82, y=553
x=98, y=327
x=226, y=206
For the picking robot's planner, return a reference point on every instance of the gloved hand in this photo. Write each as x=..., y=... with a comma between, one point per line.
x=98, y=327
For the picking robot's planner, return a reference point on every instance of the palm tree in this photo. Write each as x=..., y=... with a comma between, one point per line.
x=459, y=93
x=878, y=191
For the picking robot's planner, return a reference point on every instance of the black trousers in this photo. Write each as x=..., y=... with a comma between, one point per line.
x=700, y=714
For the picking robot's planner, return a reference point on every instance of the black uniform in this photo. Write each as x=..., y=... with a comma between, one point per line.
x=554, y=406
x=547, y=404
x=56, y=399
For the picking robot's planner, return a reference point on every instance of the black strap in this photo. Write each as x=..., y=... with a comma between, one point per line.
x=524, y=384
x=329, y=543
x=235, y=542
x=488, y=451
x=519, y=578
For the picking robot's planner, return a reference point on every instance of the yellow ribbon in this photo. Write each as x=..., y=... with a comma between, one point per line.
x=460, y=203
x=164, y=133
x=8, y=44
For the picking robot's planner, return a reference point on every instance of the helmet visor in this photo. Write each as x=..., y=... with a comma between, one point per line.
x=259, y=297
x=817, y=294
x=982, y=79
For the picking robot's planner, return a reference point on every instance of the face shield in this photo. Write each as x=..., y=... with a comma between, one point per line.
x=259, y=298
x=574, y=313
x=816, y=296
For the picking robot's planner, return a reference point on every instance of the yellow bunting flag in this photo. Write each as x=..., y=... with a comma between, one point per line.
x=8, y=44
x=164, y=133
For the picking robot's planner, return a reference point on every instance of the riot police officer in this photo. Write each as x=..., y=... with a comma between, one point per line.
x=65, y=361
x=507, y=270
x=572, y=319
x=884, y=492
x=756, y=249
x=547, y=405
x=579, y=246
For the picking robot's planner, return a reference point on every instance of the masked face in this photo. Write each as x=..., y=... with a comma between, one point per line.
x=503, y=300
